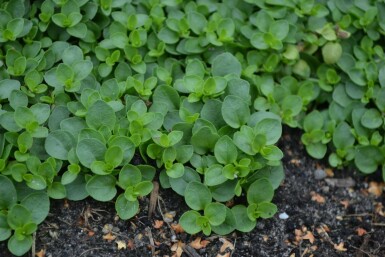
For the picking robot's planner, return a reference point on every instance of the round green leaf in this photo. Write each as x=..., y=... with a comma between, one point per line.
x=126, y=209
x=225, y=64
x=227, y=226
x=58, y=143
x=259, y=191
x=235, y=111
x=100, y=114
x=243, y=223
x=225, y=150
x=216, y=213
x=38, y=204
x=188, y=221
x=102, y=188
x=89, y=150
x=197, y=195
x=19, y=247
x=7, y=192
x=179, y=184
x=129, y=175
x=368, y=158
x=371, y=119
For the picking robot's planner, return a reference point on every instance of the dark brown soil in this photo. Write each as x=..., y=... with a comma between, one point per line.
x=323, y=220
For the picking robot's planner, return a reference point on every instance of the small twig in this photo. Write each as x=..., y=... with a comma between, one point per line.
x=235, y=243
x=378, y=224
x=357, y=215
x=152, y=243
x=66, y=222
x=161, y=213
x=89, y=250
x=153, y=199
x=190, y=251
x=33, y=250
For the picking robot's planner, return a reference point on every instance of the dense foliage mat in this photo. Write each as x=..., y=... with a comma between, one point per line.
x=198, y=89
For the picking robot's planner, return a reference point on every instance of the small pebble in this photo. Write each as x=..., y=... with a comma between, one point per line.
x=283, y=216
x=320, y=174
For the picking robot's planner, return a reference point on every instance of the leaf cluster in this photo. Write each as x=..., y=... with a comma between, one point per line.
x=197, y=90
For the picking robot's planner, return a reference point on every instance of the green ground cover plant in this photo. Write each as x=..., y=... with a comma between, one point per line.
x=199, y=90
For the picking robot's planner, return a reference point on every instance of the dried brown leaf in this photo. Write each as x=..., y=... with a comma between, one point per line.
x=40, y=253
x=177, y=228
x=198, y=243
x=158, y=224
x=109, y=237
x=317, y=197
x=361, y=231
x=340, y=247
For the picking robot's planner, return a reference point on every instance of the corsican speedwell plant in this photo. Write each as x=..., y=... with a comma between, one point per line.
x=196, y=90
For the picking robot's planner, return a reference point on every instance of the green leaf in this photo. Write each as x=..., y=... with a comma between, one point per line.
x=243, y=223
x=204, y=140
x=89, y=150
x=225, y=150
x=213, y=175
x=342, y=136
x=235, y=111
x=129, y=175
x=226, y=64
x=7, y=192
x=188, y=221
x=126, y=209
x=100, y=114
x=24, y=117
x=368, y=158
x=176, y=171
x=7, y=86
x=144, y=188
x=114, y=156
x=19, y=247
x=197, y=195
x=316, y=150
x=371, y=119
x=58, y=143
x=18, y=216
x=102, y=188
x=259, y=191
x=227, y=226
x=38, y=204
x=179, y=184
x=216, y=213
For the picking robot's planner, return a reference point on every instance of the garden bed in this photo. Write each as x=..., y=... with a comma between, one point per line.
x=327, y=216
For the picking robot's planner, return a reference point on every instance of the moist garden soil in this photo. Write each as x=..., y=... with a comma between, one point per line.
x=328, y=213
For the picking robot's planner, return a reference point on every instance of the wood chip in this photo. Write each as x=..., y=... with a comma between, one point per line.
x=40, y=253
x=153, y=199
x=340, y=182
x=177, y=248
x=121, y=244
x=190, y=251
x=226, y=245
